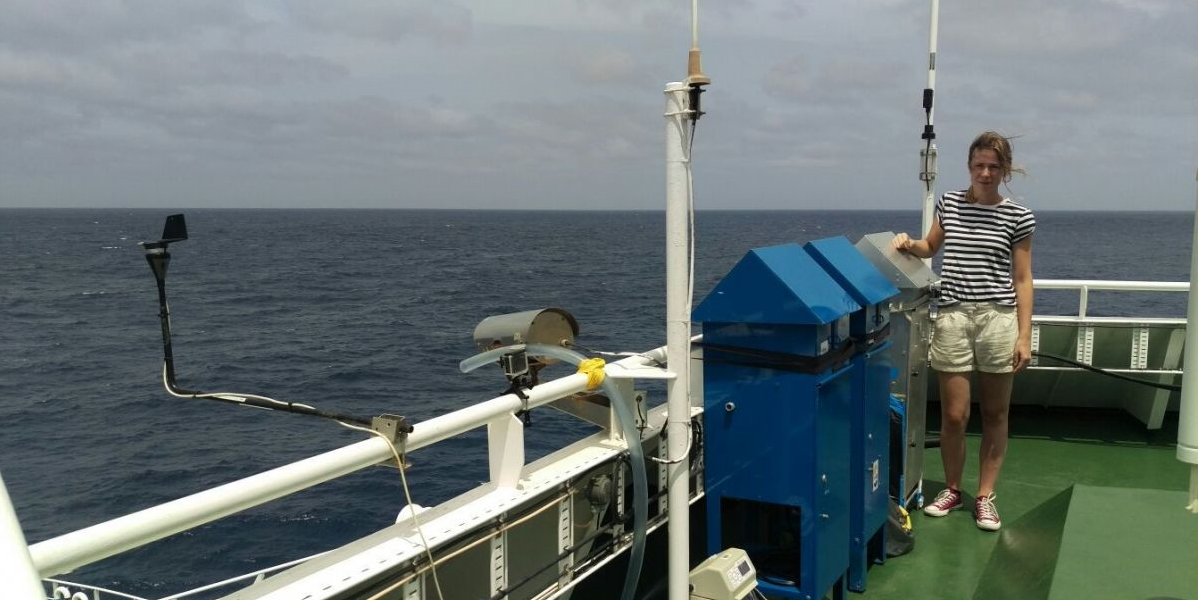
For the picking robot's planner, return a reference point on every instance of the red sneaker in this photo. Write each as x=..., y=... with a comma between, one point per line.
x=986, y=515
x=946, y=501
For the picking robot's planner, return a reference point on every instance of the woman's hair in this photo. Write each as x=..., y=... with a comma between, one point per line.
x=1001, y=146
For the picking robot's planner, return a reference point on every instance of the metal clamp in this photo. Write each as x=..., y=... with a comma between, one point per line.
x=393, y=427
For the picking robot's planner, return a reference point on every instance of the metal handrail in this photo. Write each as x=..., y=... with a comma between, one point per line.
x=72, y=550
x=243, y=577
x=60, y=587
x=1084, y=286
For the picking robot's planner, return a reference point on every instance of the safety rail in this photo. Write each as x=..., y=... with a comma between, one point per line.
x=1085, y=286
x=1146, y=349
x=69, y=590
x=66, y=590
x=70, y=551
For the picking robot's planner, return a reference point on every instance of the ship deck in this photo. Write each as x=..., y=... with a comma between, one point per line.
x=1092, y=507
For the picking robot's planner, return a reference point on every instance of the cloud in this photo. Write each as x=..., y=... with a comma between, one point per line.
x=789, y=10
x=1024, y=28
x=388, y=21
x=559, y=134
x=608, y=65
x=1073, y=100
x=788, y=79
x=251, y=102
x=41, y=73
x=63, y=26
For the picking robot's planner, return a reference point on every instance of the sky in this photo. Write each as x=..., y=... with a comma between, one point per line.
x=541, y=104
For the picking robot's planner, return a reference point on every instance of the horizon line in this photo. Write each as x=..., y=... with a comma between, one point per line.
x=578, y=210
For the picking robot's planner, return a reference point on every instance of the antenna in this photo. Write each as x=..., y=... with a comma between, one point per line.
x=694, y=63
x=175, y=230
x=927, y=155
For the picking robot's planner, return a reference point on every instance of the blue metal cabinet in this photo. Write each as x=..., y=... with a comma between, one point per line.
x=777, y=388
x=870, y=406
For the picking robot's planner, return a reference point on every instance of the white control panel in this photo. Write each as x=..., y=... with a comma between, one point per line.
x=728, y=575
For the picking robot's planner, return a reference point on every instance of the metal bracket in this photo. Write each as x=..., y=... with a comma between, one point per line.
x=394, y=427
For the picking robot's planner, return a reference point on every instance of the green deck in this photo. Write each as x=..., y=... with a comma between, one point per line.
x=1092, y=507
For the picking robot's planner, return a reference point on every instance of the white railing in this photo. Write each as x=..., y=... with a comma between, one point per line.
x=73, y=550
x=66, y=590
x=69, y=590
x=70, y=551
x=1085, y=286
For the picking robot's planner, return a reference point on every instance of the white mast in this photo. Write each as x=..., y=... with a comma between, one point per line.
x=1187, y=430
x=682, y=109
x=928, y=153
x=678, y=328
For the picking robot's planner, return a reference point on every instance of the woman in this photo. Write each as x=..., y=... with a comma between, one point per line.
x=985, y=316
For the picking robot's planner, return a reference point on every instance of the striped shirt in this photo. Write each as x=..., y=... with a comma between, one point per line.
x=978, y=240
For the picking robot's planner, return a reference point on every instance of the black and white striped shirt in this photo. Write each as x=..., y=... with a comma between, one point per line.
x=978, y=240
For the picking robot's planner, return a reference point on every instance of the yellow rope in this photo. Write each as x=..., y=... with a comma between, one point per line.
x=593, y=369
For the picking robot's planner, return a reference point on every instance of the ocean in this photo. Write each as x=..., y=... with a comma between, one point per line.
x=360, y=312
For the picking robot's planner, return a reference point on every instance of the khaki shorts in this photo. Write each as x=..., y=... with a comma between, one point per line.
x=974, y=335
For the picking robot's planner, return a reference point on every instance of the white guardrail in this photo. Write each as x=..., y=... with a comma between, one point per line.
x=67, y=552
x=1085, y=286
x=70, y=551
x=65, y=590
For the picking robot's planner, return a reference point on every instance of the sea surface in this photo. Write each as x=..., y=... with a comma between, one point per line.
x=360, y=312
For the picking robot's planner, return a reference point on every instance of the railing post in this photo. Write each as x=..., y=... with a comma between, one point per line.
x=505, y=447
x=1084, y=302
x=16, y=566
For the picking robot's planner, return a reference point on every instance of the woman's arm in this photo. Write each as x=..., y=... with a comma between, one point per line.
x=1021, y=277
x=925, y=248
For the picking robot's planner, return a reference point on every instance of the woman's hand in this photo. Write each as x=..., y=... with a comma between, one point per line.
x=1022, y=357
x=902, y=242
x=925, y=248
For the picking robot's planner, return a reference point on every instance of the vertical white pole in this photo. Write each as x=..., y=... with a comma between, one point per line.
x=929, y=153
x=17, y=572
x=678, y=333
x=1187, y=430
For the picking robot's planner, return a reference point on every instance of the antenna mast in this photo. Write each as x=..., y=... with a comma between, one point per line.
x=927, y=156
x=682, y=113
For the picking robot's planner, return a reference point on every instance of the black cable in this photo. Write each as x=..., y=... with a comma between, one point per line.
x=1163, y=386
x=929, y=134
x=282, y=406
x=158, y=262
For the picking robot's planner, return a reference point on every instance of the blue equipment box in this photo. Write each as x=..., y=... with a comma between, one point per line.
x=777, y=389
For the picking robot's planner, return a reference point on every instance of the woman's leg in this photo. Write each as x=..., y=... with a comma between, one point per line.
x=954, y=414
x=994, y=396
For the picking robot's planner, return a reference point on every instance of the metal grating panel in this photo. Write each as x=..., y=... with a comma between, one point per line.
x=414, y=589
x=498, y=563
x=565, y=538
x=1085, y=345
x=1035, y=344
x=1139, y=348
